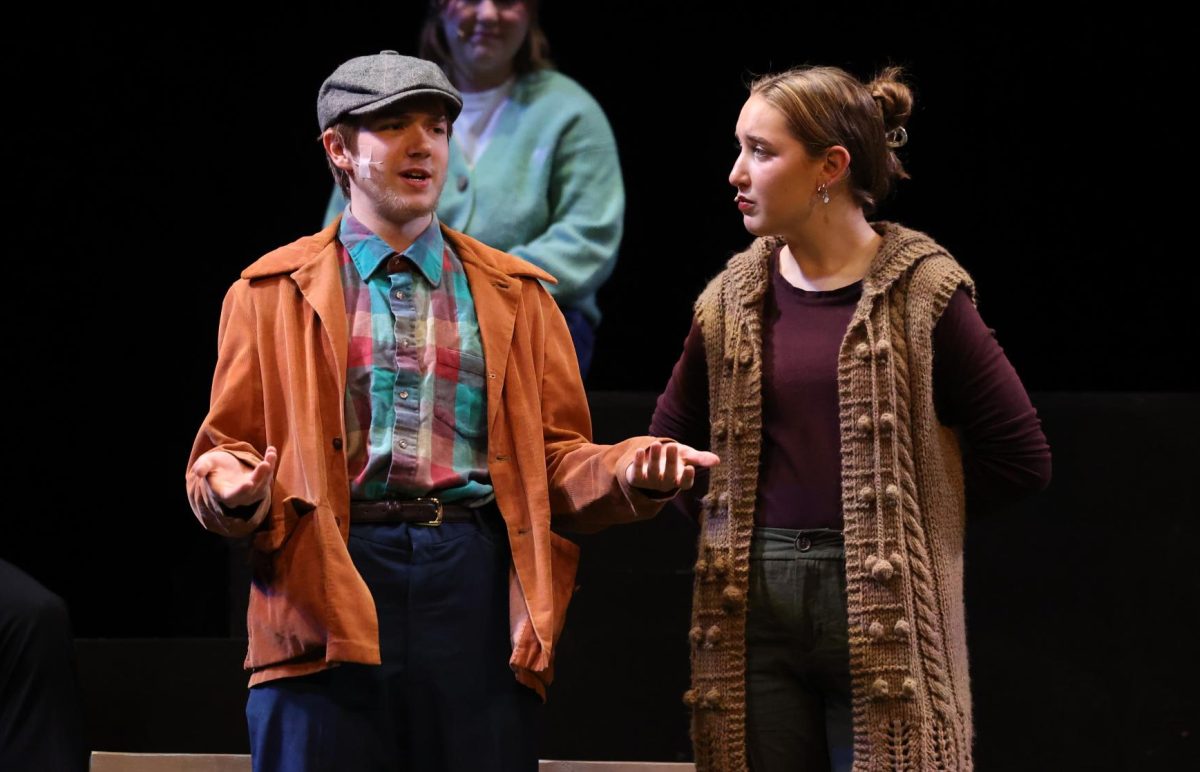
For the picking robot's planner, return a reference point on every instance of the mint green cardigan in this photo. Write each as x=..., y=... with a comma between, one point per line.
x=547, y=188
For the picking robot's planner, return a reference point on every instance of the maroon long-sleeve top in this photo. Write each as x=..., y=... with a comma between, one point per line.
x=976, y=390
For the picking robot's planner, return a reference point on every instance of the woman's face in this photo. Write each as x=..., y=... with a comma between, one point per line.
x=775, y=177
x=484, y=35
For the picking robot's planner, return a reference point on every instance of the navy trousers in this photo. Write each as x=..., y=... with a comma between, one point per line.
x=444, y=698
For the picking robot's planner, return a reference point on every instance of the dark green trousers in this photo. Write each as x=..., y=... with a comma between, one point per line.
x=797, y=653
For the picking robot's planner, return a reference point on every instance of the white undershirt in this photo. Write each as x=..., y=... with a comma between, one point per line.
x=476, y=123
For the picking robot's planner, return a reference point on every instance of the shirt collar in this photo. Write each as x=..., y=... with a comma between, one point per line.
x=369, y=252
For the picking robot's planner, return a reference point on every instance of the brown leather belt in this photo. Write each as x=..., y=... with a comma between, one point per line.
x=427, y=511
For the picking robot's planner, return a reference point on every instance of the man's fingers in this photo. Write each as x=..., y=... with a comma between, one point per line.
x=656, y=463
x=700, y=457
x=202, y=466
x=671, y=470
x=689, y=478
x=634, y=472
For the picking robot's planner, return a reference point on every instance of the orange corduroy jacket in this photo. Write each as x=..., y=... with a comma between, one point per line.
x=280, y=380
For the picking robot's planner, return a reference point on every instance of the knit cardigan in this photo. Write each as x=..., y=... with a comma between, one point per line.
x=903, y=508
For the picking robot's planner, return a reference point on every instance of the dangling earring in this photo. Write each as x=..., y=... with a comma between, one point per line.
x=823, y=191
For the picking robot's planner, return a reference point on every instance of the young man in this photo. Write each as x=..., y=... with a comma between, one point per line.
x=396, y=415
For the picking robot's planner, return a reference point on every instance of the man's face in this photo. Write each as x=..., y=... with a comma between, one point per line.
x=401, y=160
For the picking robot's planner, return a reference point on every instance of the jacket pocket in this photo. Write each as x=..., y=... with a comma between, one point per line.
x=282, y=523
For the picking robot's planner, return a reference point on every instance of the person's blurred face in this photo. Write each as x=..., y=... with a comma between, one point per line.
x=484, y=36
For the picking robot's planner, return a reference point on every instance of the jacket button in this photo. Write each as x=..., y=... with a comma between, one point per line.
x=337, y=443
x=463, y=182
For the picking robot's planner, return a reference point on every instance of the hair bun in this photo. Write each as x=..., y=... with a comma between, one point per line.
x=894, y=97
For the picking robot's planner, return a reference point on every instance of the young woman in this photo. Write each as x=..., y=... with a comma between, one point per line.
x=841, y=371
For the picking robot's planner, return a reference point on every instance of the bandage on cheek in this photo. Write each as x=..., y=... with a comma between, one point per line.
x=362, y=165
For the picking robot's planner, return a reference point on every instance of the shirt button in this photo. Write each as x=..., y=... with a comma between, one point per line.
x=407, y=343
x=463, y=182
x=399, y=296
x=404, y=443
x=404, y=395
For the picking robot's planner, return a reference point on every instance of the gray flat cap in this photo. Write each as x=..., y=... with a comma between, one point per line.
x=369, y=83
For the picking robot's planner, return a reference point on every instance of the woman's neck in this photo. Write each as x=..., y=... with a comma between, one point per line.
x=833, y=250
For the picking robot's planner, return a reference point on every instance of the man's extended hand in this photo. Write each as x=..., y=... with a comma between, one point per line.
x=665, y=466
x=219, y=478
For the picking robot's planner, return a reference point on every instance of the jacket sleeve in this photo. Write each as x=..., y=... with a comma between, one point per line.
x=234, y=422
x=587, y=485
x=587, y=210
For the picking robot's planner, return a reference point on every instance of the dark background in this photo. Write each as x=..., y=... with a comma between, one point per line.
x=152, y=157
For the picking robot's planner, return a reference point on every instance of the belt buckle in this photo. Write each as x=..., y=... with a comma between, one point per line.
x=437, y=509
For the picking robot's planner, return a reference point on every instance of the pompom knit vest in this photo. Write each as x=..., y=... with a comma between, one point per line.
x=902, y=504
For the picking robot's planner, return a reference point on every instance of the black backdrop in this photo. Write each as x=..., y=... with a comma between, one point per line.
x=151, y=157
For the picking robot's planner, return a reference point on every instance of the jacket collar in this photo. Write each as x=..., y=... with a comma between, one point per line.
x=313, y=249
x=495, y=279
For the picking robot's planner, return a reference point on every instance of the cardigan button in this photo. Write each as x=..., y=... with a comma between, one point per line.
x=862, y=351
x=882, y=348
x=887, y=421
x=867, y=493
x=864, y=423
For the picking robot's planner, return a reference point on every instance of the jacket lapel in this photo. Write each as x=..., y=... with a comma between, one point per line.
x=320, y=281
x=497, y=296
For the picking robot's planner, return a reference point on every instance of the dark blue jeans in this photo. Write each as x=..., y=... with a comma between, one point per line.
x=444, y=698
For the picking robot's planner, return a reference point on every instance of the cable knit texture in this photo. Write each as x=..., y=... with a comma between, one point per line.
x=902, y=501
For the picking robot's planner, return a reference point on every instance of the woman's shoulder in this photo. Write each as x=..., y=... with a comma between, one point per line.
x=552, y=85
x=934, y=273
x=744, y=276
